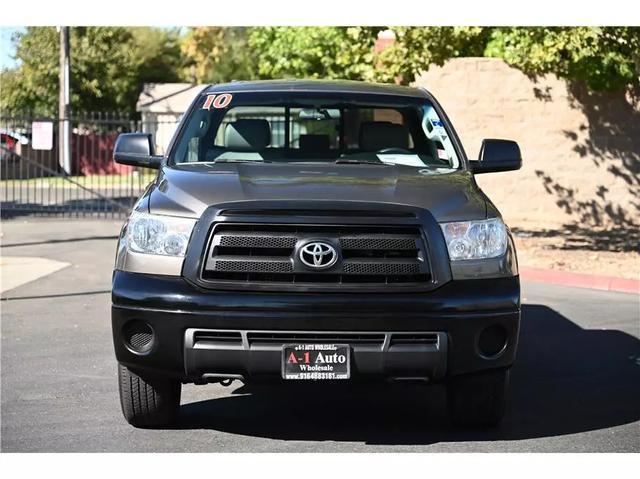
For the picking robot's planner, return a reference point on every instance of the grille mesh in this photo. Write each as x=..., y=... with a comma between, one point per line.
x=138, y=335
x=367, y=268
x=253, y=266
x=269, y=254
x=248, y=240
x=366, y=243
x=140, y=341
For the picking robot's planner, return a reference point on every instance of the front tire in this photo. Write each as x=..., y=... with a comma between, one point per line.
x=148, y=401
x=478, y=399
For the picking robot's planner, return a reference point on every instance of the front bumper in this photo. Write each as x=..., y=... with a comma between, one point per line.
x=249, y=354
x=457, y=313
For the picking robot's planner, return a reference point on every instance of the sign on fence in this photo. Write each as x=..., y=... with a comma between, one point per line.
x=42, y=135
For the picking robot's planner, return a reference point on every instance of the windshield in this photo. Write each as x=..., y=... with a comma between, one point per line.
x=291, y=127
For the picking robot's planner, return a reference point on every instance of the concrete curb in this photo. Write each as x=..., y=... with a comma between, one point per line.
x=580, y=280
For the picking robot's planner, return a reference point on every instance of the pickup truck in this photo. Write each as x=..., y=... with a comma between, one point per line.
x=315, y=232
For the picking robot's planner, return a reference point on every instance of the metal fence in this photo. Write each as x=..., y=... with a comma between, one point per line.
x=32, y=182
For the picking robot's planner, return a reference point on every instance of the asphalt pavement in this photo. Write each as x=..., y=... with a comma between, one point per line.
x=575, y=386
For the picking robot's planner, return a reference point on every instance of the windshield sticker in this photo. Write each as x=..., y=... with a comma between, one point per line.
x=408, y=160
x=217, y=101
x=442, y=154
x=438, y=128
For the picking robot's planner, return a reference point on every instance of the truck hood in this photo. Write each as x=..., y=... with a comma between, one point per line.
x=187, y=190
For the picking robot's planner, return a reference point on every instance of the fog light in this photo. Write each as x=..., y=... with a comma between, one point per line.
x=492, y=341
x=138, y=336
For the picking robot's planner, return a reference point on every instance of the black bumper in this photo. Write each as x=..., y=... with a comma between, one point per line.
x=457, y=312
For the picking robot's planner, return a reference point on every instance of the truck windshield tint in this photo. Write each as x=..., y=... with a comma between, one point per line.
x=292, y=127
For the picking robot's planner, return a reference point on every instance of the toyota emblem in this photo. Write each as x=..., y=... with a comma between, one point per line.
x=318, y=255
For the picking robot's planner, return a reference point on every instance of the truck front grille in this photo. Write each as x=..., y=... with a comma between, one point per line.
x=266, y=254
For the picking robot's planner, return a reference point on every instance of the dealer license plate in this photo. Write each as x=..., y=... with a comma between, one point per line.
x=316, y=361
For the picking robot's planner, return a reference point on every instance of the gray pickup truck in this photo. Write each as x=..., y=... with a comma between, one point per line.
x=315, y=231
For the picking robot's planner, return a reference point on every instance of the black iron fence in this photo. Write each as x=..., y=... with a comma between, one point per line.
x=33, y=182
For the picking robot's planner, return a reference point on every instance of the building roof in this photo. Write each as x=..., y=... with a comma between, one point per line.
x=319, y=86
x=167, y=97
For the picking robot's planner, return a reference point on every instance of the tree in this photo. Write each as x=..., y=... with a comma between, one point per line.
x=34, y=84
x=417, y=48
x=108, y=67
x=157, y=54
x=217, y=54
x=110, y=64
x=314, y=52
x=603, y=58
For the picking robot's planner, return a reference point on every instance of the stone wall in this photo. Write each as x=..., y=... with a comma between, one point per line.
x=581, y=151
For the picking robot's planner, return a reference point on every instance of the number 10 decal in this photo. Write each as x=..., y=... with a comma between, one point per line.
x=217, y=101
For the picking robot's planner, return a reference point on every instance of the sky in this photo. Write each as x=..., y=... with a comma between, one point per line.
x=7, y=49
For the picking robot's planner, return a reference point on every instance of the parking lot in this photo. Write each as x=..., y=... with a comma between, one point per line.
x=575, y=386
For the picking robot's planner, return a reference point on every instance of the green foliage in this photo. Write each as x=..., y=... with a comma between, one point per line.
x=108, y=67
x=417, y=48
x=157, y=54
x=110, y=64
x=218, y=54
x=606, y=58
x=238, y=61
x=103, y=69
x=314, y=52
x=34, y=84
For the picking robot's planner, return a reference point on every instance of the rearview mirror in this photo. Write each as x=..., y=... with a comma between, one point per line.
x=319, y=114
x=136, y=149
x=497, y=155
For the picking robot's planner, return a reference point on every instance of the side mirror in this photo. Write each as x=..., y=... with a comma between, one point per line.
x=497, y=155
x=136, y=149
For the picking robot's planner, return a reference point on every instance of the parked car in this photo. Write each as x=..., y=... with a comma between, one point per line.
x=354, y=244
x=11, y=144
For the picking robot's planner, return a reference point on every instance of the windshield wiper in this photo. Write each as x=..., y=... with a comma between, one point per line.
x=346, y=161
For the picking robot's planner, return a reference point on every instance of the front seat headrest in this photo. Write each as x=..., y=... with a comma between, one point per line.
x=378, y=135
x=247, y=135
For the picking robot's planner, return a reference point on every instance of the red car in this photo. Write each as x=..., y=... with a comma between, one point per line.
x=11, y=144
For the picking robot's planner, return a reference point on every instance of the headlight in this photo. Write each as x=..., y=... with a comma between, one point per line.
x=475, y=239
x=163, y=235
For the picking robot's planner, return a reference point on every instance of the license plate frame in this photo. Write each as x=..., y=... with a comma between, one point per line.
x=307, y=367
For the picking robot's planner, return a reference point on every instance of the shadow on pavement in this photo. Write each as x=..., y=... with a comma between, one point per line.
x=566, y=380
x=55, y=241
x=114, y=207
x=586, y=238
x=51, y=296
